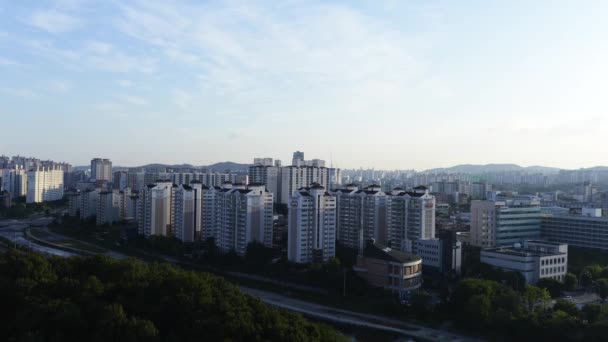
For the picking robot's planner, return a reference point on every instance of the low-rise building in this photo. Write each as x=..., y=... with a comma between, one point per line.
x=589, y=230
x=394, y=270
x=534, y=260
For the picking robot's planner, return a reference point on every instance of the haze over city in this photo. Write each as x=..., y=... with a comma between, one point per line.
x=398, y=85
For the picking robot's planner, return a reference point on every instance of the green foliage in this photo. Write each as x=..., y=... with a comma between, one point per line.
x=100, y=299
x=570, y=282
x=567, y=307
x=554, y=287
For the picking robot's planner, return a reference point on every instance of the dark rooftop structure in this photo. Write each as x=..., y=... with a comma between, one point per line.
x=379, y=251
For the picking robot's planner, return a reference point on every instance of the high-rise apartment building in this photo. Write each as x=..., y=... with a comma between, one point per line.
x=155, y=202
x=120, y=180
x=312, y=225
x=263, y=172
x=505, y=221
x=108, y=207
x=44, y=184
x=296, y=177
x=361, y=216
x=88, y=203
x=101, y=169
x=242, y=214
x=187, y=211
x=410, y=216
x=14, y=180
x=297, y=157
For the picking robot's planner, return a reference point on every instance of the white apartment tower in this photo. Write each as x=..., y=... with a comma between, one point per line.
x=263, y=172
x=410, y=216
x=14, y=181
x=155, y=202
x=312, y=225
x=44, y=184
x=187, y=211
x=108, y=207
x=361, y=216
x=243, y=214
x=101, y=169
x=296, y=177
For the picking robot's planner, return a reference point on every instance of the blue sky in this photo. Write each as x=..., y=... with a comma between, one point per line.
x=395, y=84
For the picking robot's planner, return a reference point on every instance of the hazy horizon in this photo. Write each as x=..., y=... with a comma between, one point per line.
x=387, y=85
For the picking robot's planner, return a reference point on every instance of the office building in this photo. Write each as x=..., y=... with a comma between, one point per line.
x=505, y=221
x=101, y=169
x=311, y=225
x=393, y=270
x=587, y=229
x=44, y=184
x=534, y=259
x=439, y=256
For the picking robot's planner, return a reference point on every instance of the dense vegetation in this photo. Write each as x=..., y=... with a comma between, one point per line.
x=485, y=305
x=19, y=209
x=99, y=299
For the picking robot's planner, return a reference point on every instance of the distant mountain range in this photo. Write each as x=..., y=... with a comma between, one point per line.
x=493, y=168
x=462, y=168
x=219, y=167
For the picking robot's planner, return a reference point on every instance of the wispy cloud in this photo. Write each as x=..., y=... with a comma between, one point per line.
x=53, y=21
x=8, y=62
x=133, y=100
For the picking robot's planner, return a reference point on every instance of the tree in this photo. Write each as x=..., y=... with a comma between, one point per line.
x=553, y=286
x=586, y=278
x=535, y=298
x=567, y=307
x=592, y=312
x=570, y=282
x=602, y=288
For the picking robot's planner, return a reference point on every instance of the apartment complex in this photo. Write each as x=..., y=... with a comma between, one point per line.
x=101, y=169
x=410, y=216
x=312, y=225
x=44, y=184
x=14, y=181
x=361, y=216
x=505, y=221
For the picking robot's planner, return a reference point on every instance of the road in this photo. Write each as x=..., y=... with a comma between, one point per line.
x=354, y=318
x=14, y=231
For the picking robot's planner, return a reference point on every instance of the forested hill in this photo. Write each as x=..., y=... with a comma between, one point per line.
x=100, y=299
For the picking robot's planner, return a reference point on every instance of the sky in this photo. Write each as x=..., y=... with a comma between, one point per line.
x=385, y=84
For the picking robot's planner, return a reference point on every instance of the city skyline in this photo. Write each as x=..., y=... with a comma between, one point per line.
x=399, y=85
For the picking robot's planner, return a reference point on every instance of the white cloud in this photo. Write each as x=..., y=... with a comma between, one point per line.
x=125, y=83
x=53, y=21
x=133, y=100
x=8, y=62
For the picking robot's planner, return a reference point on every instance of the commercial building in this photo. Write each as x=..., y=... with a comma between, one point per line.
x=534, y=259
x=505, y=221
x=101, y=169
x=439, y=256
x=311, y=231
x=44, y=184
x=587, y=229
x=393, y=270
